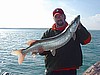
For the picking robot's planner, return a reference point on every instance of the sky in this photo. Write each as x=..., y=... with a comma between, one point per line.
x=38, y=13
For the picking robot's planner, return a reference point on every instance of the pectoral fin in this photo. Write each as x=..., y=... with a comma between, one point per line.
x=53, y=52
x=34, y=54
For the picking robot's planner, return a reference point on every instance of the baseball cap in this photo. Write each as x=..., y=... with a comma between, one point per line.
x=58, y=10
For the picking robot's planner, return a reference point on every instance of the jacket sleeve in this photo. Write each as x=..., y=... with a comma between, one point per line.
x=46, y=35
x=84, y=35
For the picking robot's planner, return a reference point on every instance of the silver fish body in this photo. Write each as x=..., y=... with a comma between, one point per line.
x=57, y=41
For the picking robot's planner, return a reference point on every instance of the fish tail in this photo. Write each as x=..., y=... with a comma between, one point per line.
x=20, y=55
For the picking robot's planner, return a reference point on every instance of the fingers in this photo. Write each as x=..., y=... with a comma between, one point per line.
x=40, y=50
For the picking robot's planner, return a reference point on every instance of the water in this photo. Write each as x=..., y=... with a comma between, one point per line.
x=11, y=39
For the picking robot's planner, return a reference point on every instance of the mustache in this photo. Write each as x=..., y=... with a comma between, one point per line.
x=59, y=20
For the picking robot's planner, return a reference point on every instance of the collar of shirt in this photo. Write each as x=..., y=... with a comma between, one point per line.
x=54, y=27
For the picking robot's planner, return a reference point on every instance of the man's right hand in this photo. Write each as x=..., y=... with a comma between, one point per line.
x=40, y=49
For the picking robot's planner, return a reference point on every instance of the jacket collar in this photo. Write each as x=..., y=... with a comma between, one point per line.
x=54, y=27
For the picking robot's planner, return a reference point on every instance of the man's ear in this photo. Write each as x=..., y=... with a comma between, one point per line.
x=64, y=16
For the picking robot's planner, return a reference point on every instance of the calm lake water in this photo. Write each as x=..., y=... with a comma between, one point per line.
x=11, y=39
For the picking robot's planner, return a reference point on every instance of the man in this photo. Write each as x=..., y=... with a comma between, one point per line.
x=69, y=57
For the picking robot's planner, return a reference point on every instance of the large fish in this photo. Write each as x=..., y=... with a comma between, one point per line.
x=51, y=43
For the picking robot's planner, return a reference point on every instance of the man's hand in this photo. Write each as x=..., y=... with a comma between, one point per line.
x=40, y=50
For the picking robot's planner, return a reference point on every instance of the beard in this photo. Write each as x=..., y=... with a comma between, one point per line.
x=59, y=22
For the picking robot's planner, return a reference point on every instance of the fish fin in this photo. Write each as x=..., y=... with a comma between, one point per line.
x=53, y=52
x=74, y=36
x=34, y=54
x=20, y=55
x=21, y=58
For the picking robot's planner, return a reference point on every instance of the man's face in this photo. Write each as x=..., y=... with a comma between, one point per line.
x=59, y=19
